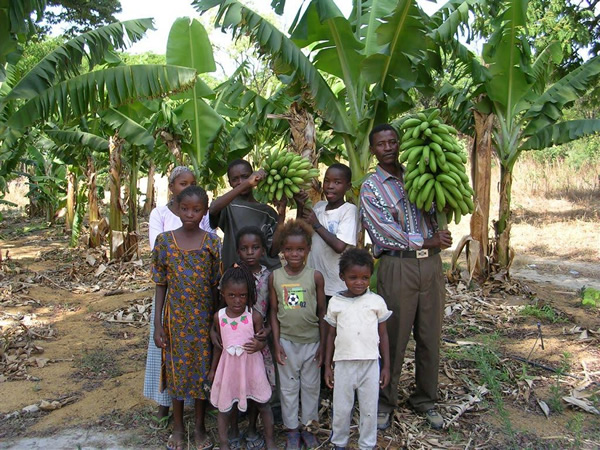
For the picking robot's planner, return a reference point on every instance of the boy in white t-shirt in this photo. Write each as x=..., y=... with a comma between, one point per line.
x=358, y=333
x=335, y=223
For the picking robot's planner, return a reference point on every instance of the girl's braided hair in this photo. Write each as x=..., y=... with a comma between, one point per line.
x=240, y=273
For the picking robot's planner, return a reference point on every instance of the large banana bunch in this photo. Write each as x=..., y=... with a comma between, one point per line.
x=435, y=166
x=287, y=174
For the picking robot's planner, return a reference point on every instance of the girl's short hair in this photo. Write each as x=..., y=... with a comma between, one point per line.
x=177, y=171
x=296, y=227
x=240, y=273
x=192, y=191
x=252, y=231
x=356, y=257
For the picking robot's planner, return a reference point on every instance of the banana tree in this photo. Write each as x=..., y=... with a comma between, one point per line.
x=188, y=46
x=16, y=26
x=351, y=72
x=512, y=85
x=129, y=141
x=56, y=88
x=83, y=149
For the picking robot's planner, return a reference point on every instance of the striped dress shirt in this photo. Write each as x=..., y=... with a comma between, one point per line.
x=393, y=223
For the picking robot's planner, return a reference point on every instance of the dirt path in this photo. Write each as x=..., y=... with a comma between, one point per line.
x=571, y=275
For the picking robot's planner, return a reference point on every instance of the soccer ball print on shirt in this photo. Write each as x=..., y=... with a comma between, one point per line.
x=293, y=296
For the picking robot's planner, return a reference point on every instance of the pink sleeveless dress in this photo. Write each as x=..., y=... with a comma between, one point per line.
x=240, y=376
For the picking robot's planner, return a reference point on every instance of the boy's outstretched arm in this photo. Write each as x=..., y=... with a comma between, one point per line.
x=321, y=310
x=384, y=351
x=329, y=375
x=219, y=204
x=280, y=355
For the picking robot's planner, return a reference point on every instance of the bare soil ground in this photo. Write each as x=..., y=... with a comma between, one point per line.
x=73, y=337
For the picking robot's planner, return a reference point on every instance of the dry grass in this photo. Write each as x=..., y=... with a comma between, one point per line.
x=555, y=210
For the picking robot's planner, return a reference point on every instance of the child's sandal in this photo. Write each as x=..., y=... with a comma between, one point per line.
x=292, y=440
x=235, y=443
x=174, y=444
x=255, y=442
x=309, y=439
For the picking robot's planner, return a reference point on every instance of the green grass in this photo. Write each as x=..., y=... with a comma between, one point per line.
x=590, y=297
x=98, y=363
x=545, y=313
x=493, y=374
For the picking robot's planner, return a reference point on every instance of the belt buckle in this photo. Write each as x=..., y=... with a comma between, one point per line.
x=422, y=253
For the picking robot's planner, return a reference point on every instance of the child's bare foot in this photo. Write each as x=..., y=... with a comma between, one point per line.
x=202, y=440
x=175, y=441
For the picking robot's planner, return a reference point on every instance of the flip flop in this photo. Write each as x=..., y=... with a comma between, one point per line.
x=172, y=444
x=235, y=443
x=255, y=442
x=206, y=444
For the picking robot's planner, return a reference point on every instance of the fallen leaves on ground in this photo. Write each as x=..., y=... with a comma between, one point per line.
x=18, y=350
x=137, y=314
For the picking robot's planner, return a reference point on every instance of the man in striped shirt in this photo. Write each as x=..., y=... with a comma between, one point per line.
x=410, y=276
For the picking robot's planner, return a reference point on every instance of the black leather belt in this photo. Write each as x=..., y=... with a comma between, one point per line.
x=426, y=253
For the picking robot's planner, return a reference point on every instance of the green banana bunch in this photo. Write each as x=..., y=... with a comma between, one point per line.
x=287, y=174
x=435, y=166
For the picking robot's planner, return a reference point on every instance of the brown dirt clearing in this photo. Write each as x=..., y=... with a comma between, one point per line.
x=81, y=375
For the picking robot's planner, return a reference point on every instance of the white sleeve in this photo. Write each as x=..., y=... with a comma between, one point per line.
x=382, y=311
x=155, y=226
x=348, y=221
x=332, y=313
x=205, y=224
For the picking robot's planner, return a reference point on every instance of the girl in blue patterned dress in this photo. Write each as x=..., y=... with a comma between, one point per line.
x=186, y=272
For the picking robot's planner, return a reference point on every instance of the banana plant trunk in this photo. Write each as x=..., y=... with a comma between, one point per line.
x=115, y=220
x=71, y=200
x=96, y=235
x=150, y=201
x=503, y=225
x=131, y=239
x=481, y=173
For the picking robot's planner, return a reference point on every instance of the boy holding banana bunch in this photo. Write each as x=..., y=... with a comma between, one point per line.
x=238, y=208
x=334, y=222
x=410, y=277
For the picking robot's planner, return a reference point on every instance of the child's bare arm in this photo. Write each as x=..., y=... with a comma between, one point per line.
x=331, y=334
x=256, y=345
x=280, y=355
x=384, y=350
x=219, y=204
x=330, y=239
x=301, y=199
x=216, y=351
x=321, y=310
x=160, y=339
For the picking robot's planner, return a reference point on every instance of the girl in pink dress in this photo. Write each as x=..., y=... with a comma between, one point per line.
x=238, y=371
